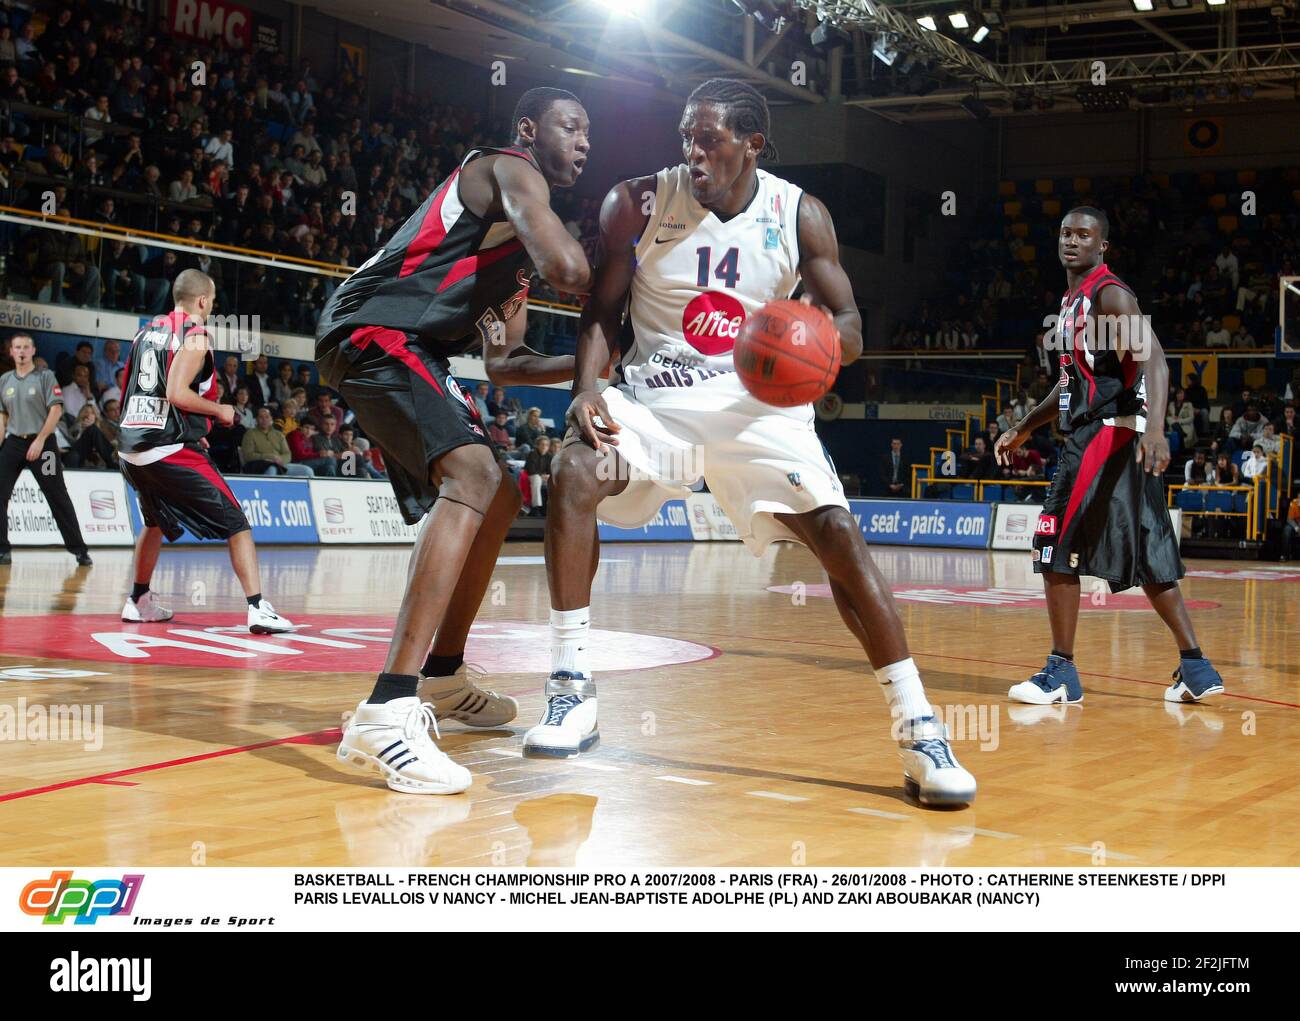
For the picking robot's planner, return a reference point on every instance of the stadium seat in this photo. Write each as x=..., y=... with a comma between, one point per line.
x=1231, y=322
x=1027, y=253
x=1052, y=207
x=993, y=493
x=1175, y=439
x=1007, y=189
x=1082, y=185
x=1228, y=224
x=1160, y=180
x=1191, y=500
x=1013, y=208
x=1044, y=186
x=964, y=491
x=1206, y=179
x=1255, y=378
x=1219, y=501
x=1240, y=502
x=1246, y=178
x=1020, y=229
x=1218, y=202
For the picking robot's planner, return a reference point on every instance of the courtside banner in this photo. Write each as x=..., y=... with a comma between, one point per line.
x=98, y=497
x=924, y=522
x=359, y=511
x=1014, y=524
x=708, y=521
x=278, y=509
x=671, y=523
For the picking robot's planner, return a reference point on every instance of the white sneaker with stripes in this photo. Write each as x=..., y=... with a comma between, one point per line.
x=263, y=620
x=459, y=697
x=393, y=737
x=145, y=610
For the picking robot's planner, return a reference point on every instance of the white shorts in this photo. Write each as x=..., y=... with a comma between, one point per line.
x=758, y=461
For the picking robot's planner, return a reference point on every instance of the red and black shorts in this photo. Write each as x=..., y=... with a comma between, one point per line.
x=185, y=490
x=408, y=402
x=1104, y=516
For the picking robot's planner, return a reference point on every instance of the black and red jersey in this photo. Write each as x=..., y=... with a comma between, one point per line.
x=447, y=276
x=1097, y=379
x=148, y=419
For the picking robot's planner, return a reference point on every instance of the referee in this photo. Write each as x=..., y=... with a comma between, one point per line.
x=31, y=402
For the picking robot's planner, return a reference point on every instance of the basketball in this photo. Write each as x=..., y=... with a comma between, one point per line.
x=788, y=354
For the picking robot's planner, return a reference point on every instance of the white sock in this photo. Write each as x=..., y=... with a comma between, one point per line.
x=569, y=640
x=901, y=683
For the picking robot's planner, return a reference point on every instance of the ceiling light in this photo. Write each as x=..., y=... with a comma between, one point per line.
x=981, y=34
x=926, y=21
x=1143, y=6
x=958, y=20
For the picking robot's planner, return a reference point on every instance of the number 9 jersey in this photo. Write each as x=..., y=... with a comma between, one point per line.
x=148, y=421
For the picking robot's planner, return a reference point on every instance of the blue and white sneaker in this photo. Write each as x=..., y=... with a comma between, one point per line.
x=1194, y=680
x=568, y=724
x=931, y=772
x=1058, y=681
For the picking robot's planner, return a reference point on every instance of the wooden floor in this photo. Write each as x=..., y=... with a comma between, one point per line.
x=739, y=725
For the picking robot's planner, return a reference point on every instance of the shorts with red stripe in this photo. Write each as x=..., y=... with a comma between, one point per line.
x=1104, y=516
x=185, y=490
x=408, y=402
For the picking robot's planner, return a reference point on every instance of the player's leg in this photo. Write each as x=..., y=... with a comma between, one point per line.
x=389, y=730
x=580, y=479
x=930, y=769
x=142, y=606
x=446, y=680
x=13, y=458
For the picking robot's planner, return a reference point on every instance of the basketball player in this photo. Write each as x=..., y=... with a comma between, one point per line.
x=454, y=276
x=168, y=404
x=1105, y=513
x=696, y=249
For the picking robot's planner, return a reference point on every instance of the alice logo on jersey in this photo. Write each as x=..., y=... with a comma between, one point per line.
x=61, y=897
x=711, y=322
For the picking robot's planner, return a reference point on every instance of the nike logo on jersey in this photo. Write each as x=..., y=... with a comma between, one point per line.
x=660, y=241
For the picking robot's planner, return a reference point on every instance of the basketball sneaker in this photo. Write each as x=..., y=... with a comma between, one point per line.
x=145, y=610
x=459, y=697
x=568, y=724
x=1194, y=680
x=393, y=737
x=1058, y=681
x=931, y=772
x=263, y=620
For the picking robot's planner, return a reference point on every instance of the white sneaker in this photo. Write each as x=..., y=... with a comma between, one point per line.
x=263, y=620
x=459, y=697
x=393, y=737
x=931, y=773
x=145, y=610
x=568, y=724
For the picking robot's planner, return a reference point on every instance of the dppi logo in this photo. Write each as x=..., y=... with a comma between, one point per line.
x=61, y=896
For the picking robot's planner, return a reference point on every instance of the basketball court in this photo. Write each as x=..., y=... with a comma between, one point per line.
x=739, y=723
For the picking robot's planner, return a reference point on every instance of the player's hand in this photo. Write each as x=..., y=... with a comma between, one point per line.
x=34, y=450
x=226, y=414
x=1153, y=452
x=805, y=299
x=1008, y=443
x=586, y=407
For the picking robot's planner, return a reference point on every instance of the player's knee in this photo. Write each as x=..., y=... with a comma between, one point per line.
x=508, y=499
x=573, y=474
x=474, y=485
x=835, y=532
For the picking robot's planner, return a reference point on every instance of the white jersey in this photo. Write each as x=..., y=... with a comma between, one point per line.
x=698, y=278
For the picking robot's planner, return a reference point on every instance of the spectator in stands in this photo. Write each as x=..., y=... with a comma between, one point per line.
x=1217, y=336
x=61, y=258
x=1291, y=530
x=259, y=383
x=1225, y=472
x=79, y=392
x=1256, y=464
x=327, y=442
x=359, y=448
x=1199, y=399
x=244, y=416
x=282, y=384
x=91, y=446
x=288, y=420
x=1027, y=466
x=1182, y=416
x=893, y=472
x=1268, y=440
x=977, y=462
x=481, y=401
x=228, y=377
x=538, y=467
x=499, y=433
x=1040, y=388
x=107, y=365
x=324, y=408
x=302, y=444
x=1197, y=470
x=527, y=434
x=266, y=451
x=1228, y=266
x=1239, y=405
x=125, y=285
x=1248, y=427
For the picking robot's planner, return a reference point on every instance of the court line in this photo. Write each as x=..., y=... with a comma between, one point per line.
x=1002, y=663
x=317, y=737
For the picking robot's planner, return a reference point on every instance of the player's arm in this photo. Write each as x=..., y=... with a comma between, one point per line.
x=185, y=366
x=511, y=362
x=1141, y=341
x=824, y=280
x=526, y=202
x=622, y=220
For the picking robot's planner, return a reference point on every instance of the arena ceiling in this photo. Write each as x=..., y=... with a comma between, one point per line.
x=1032, y=55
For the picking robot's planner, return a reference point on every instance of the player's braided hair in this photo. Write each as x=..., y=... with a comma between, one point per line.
x=534, y=103
x=746, y=109
x=1097, y=214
